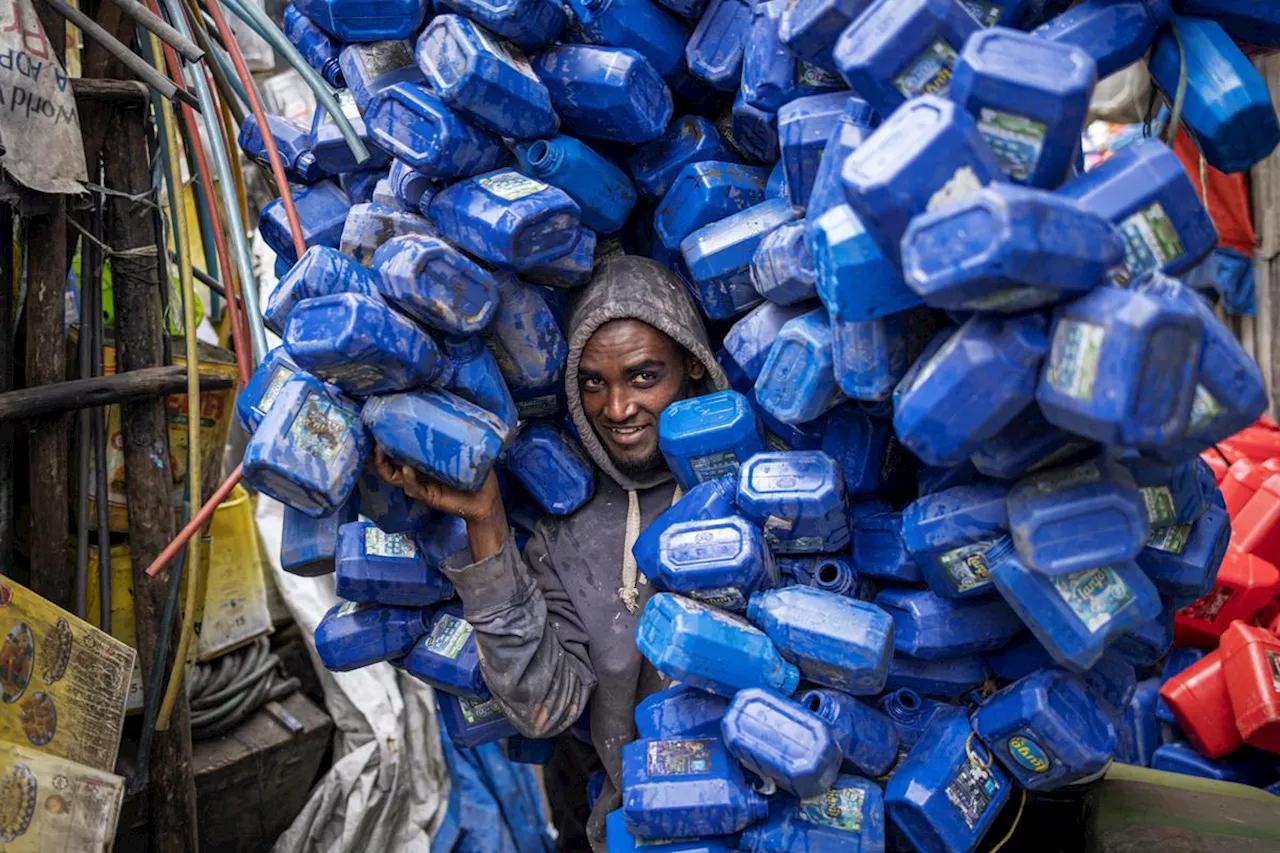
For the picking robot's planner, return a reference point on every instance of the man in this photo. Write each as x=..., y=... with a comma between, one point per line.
x=556, y=629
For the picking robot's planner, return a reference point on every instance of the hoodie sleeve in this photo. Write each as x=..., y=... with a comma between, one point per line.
x=533, y=647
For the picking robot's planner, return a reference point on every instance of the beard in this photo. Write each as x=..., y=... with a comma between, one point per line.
x=635, y=467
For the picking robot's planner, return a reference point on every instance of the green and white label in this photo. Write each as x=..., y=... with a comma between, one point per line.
x=279, y=376
x=1159, y=503
x=511, y=186
x=448, y=636
x=1016, y=140
x=929, y=73
x=713, y=466
x=812, y=75
x=986, y=14
x=1204, y=408
x=1074, y=358
x=1172, y=540
x=379, y=543
x=322, y=428
x=1094, y=595
x=966, y=566
x=476, y=711
x=839, y=808
x=679, y=757
x=1150, y=239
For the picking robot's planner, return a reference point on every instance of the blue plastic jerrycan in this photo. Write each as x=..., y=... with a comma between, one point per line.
x=571, y=269
x=1182, y=560
x=858, y=443
x=1111, y=680
x=1145, y=192
x=685, y=787
x=751, y=131
x=810, y=28
x=1004, y=13
x=602, y=191
x=834, y=573
x=931, y=627
x=704, y=192
x=1148, y=642
x=836, y=641
x=925, y=156
x=437, y=433
x=1243, y=20
x=1075, y=616
x=1047, y=730
x=1230, y=392
x=263, y=387
x=435, y=284
x=1007, y=249
x=715, y=49
x=549, y=464
x=387, y=506
x=949, y=532
x=359, y=344
x=804, y=127
x=351, y=636
x=308, y=545
x=645, y=27
x=408, y=186
x=909, y=713
x=322, y=212
x=620, y=839
x=292, y=141
x=525, y=339
x=489, y=82
x=1173, y=493
x=1026, y=444
x=370, y=225
x=771, y=73
x=949, y=678
x=947, y=792
x=525, y=750
x=708, y=500
x=851, y=128
x=776, y=187
x=718, y=256
x=778, y=739
x=309, y=448
x=867, y=740
x=750, y=339
x=330, y=148
x=1114, y=32
x=782, y=268
x=854, y=279
x=688, y=139
x=847, y=816
x=1245, y=767
x=895, y=51
x=680, y=711
x=930, y=479
x=417, y=128
x=318, y=48
x=1073, y=518
x=1121, y=368
x=447, y=656
x=1177, y=660
x=376, y=567
x=798, y=383
x=1227, y=107
x=879, y=550
x=370, y=67
x=471, y=722
x=359, y=186
x=705, y=438
x=529, y=24
x=1030, y=98
x=710, y=648
x=353, y=21
x=872, y=356
x=477, y=377
x=609, y=93
x=970, y=387
x=799, y=498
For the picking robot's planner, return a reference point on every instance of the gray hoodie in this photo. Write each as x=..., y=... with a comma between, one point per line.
x=555, y=633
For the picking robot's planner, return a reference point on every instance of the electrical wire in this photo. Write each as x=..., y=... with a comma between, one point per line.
x=225, y=691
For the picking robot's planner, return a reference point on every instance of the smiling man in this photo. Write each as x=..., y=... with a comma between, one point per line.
x=556, y=626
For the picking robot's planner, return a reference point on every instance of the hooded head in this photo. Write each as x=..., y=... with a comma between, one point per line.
x=626, y=287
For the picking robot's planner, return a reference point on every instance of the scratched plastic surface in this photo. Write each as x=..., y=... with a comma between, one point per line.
x=782, y=269
x=1173, y=493
x=847, y=816
x=926, y=155
x=1111, y=680
x=309, y=448
x=385, y=195
x=1183, y=560
x=1027, y=443
x=353, y=20
x=835, y=573
x=318, y=48
x=1047, y=730
x=798, y=381
x=931, y=627
x=714, y=50
x=866, y=739
x=680, y=711
x=620, y=840
x=370, y=67
x=529, y=24
x=359, y=186
x=1114, y=32
x=376, y=567
x=353, y=635
x=602, y=191
x=771, y=73
x=607, y=93
x=446, y=656
x=1121, y=368
x=689, y=139
x=940, y=798
x=322, y=212
x=799, y=498
x=471, y=722
x=810, y=28
x=854, y=124
x=525, y=338
x=718, y=561
x=704, y=192
x=330, y=148
x=571, y=269
x=949, y=678
x=308, y=545
x=804, y=127
x=435, y=284
x=264, y=385
x=370, y=225
x=781, y=740
x=753, y=132
x=359, y=344
x=749, y=340
x=871, y=356
x=909, y=713
x=858, y=443
x=507, y=219
x=718, y=256
x=408, y=185
x=644, y=27
x=489, y=82
x=949, y=532
x=549, y=464
x=477, y=377
x=437, y=433
x=1149, y=641
x=879, y=550
x=704, y=438
x=388, y=506
x=895, y=51
x=417, y=128
x=708, y=500
x=709, y=648
x=292, y=141
x=680, y=788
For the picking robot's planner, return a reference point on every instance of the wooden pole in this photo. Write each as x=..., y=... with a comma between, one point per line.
x=131, y=231
x=6, y=383
x=77, y=394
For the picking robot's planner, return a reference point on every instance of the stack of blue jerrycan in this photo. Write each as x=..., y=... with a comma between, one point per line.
x=932, y=536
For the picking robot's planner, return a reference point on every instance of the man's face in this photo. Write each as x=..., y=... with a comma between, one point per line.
x=628, y=374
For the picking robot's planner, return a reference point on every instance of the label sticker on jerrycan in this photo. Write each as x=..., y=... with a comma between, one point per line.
x=1074, y=358
x=1017, y=141
x=966, y=566
x=719, y=615
x=479, y=710
x=279, y=376
x=1159, y=503
x=727, y=597
x=971, y=791
x=839, y=808
x=321, y=428
x=962, y=184
x=713, y=466
x=1207, y=609
x=1273, y=663
x=929, y=73
x=812, y=75
x=379, y=543
x=1028, y=753
x=984, y=13
x=381, y=57
x=511, y=186
x=1170, y=539
x=1150, y=239
x=679, y=757
x=1094, y=595
x=448, y=636
x=1204, y=408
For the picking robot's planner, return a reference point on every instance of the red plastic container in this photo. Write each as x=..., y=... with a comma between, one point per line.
x=1245, y=585
x=1272, y=465
x=1216, y=464
x=1257, y=442
x=1200, y=703
x=1242, y=482
x=1251, y=664
x=1255, y=529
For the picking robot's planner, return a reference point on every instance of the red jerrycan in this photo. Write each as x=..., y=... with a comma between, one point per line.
x=1255, y=528
x=1245, y=585
x=1251, y=666
x=1257, y=442
x=1217, y=464
x=1242, y=482
x=1200, y=703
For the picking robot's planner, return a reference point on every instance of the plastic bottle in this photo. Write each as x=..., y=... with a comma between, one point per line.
x=680, y=711
x=852, y=127
x=525, y=339
x=264, y=386
x=718, y=256
x=471, y=722
x=605, y=92
x=437, y=433
x=797, y=382
x=416, y=127
x=704, y=438
x=370, y=225
x=384, y=197
x=719, y=561
x=810, y=28
x=930, y=627
x=707, y=500
x=292, y=141
x=715, y=48
x=322, y=212
x=1177, y=660
x=949, y=678
x=799, y=498
x=778, y=739
x=836, y=573
x=854, y=279
x=329, y=146
x=1173, y=493
x=376, y=567
x=1138, y=730
x=1122, y=368
x=849, y=815
x=603, y=193
x=704, y=192
x=359, y=186
x=387, y=506
x=804, y=127
x=645, y=27
x=1183, y=560
x=709, y=648
x=489, y=82
x=1114, y=33
x=351, y=636
x=1248, y=768
x=477, y=377
x=926, y=155
x=1144, y=191
x=317, y=47
x=549, y=464
x=529, y=24
x=909, y=713
x=688, y=139
x=309, y=447
x=1255, y=527
x=435, y=284
x=308, y=545
x=571, y=269
x=896, y=51
x=879, y=550
x=1201, y=704
x=349, y=21
x=937, y=413
x=771, y=73
x=949, y=532
x=866, y=739
x=749, y=341
x=620, y=839
x=446, y=656
x=940, y=798
x=782, y=268
x=1251, y=668
x=369, y=67
x=1245, y=20
x=1025, y=445
x=679, y=788
x=408, y=185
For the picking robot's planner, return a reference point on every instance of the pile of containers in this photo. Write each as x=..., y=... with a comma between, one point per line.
x=939, y=538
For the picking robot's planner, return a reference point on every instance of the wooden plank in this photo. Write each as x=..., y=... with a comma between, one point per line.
x=109, y=90
x=78, y=394
x=1264, y=188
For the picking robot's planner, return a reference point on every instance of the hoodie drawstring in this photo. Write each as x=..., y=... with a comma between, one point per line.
x=631, y=574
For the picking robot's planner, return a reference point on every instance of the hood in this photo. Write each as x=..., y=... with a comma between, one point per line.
x=627, y=287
